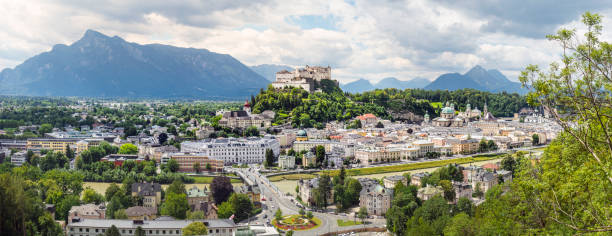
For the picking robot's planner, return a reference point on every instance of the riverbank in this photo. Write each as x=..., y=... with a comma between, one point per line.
x=288, y=186
x=413, y=166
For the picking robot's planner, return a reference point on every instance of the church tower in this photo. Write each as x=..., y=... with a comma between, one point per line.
x=247, y=107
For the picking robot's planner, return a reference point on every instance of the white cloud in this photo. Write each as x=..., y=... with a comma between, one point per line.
x=371, y=39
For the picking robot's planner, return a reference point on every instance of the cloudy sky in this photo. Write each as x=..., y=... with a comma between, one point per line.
x=369, y=39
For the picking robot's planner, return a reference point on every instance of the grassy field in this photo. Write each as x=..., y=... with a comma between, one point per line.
x=291, y=177
x=540, y=149
x=413, y=166
x=208, y=180
x=348, y=223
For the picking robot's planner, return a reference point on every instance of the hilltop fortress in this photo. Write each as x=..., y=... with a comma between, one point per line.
x=305, y=78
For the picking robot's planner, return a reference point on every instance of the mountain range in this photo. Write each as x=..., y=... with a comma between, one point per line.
x=268, y=71
x=476, y=78
x=101, y=66
x=362, y=85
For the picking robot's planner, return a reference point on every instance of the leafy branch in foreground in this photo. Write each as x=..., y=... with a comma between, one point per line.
x=578, y=94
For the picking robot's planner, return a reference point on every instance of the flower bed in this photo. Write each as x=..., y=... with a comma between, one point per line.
x=296, y=222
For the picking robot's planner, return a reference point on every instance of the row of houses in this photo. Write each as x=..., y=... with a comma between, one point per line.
x=377, y=198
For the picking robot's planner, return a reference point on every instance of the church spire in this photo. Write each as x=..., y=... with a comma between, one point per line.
x=485, y=111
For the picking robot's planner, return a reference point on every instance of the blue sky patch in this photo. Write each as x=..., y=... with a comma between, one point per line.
x=327, y=22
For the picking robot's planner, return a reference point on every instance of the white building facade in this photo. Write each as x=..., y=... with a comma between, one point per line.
x=234, y=150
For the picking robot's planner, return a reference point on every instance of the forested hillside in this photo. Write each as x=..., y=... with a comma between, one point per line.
x=313, y=110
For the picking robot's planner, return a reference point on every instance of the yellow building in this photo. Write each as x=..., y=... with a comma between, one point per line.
x=465, y=146
x=59, y=144
x=309, y=159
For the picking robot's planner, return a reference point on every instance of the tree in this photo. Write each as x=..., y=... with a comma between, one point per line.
x=175, y=205
x=269, y=158
x=112, y=231
x=449, y=191
x=139, y=231
x=114, y=205
x=352, y=190
x=342, y=175
x=91, y=196
x=177, y=187
x=162, y=138
x=69, y=152
x=301, y=212
x=225, y=210
x=251, y=131
x=111, y=191
x=483, y=146
x=289, y=233
x=324, y=190
x=320, y=154
x=478, y=191
x=196, y=167
x=575, y=91
x=208, y=167
x=221, y=188
x=172, y=166
x=309, y=215
x=195, y=228
x=196, y=215
x=460, y=225
x=535, y=140
x=45, y=128
x=278, y=215
x=48, y=226
x=241, y=206
x=128, y=148
x=396, y=220
x=120, y=214
x=508, y=163
x=65, y=204
x=491, y=145
x=362, y=214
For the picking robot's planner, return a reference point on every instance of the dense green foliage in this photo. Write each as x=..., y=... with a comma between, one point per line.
x=499, y=104
x=305, y=109
x=89, y=164
x=195, y=228
x=238, y=205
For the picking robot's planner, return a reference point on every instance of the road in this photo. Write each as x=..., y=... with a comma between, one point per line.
x=287, y=204
x=275, y=200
